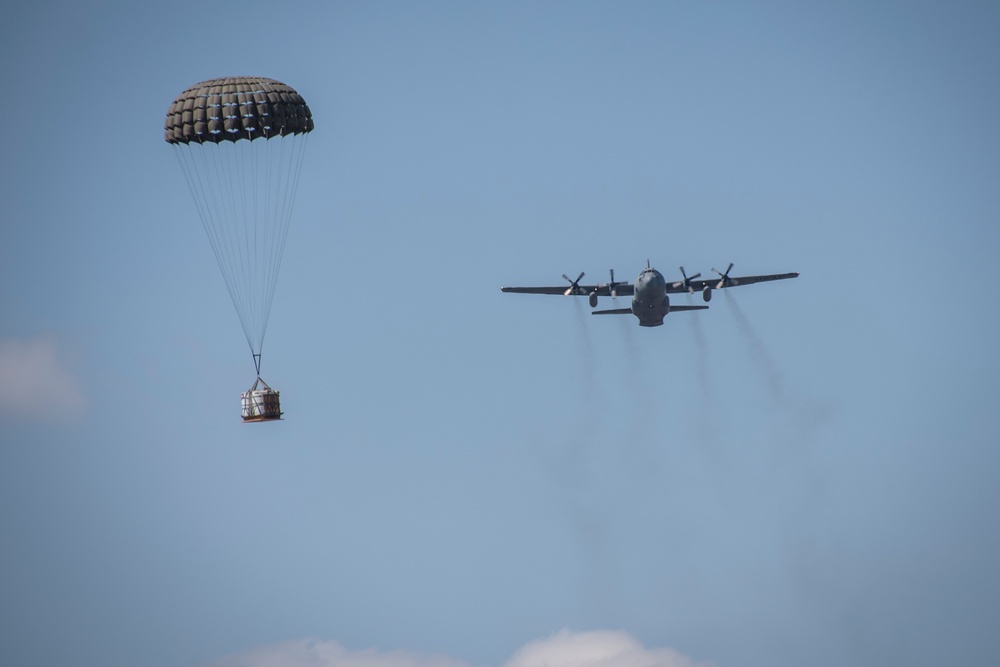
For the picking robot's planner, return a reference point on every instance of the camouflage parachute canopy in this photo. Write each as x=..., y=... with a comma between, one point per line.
x=234, y=108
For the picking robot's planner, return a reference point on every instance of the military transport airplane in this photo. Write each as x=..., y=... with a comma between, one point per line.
x=650, y=302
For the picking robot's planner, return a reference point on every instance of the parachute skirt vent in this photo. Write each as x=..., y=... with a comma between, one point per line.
x=261, y=403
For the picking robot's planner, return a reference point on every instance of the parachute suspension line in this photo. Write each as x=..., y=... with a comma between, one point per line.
x=210, y=176
x=256, y=363
x=241, y=264
x=242, y=171
x=230, y=226
x=221, y=224
x=244, y=192
x=266, y=182
x=194, y=164
x=269, y=186
x=283, y=182
x=259, y=232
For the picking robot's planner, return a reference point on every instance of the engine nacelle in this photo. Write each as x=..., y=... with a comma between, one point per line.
x=706, y=294
x=593, y=299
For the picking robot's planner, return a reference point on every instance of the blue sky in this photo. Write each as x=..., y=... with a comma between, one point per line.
x=803, y=474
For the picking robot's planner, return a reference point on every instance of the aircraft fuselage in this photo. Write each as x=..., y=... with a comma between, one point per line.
x=650, y=302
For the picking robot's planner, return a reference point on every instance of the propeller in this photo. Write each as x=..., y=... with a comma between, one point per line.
x=686, y=283
x=726, y=280
x=612, y=289
x=574, y=285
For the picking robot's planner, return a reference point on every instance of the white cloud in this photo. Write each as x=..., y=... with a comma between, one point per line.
x=35, y=383
x=316, y=653
x=603, y=648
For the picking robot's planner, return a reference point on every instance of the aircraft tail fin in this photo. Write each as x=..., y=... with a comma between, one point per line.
x=674, y=309
x=616, y=311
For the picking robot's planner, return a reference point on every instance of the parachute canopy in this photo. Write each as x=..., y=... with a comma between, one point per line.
x=243, y=190
x=234, y=108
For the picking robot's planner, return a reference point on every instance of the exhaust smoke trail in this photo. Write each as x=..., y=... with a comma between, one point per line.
x=586, y=345
x=701, y=359
x=643, y=441
x=637, y=389
x=633, y=364
x=757, y=349
x=702, y=417
x=583, y=400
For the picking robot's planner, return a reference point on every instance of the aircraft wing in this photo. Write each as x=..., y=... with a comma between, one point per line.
x=604, y=289
x=736, y=281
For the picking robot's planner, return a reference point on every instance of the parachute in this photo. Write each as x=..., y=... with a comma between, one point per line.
x=240, y=142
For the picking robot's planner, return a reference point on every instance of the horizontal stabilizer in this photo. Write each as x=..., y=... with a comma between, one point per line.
x=616, y=311
x=674, y=309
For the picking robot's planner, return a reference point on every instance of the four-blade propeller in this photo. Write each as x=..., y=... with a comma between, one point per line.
x=686, y=283
x=613, y=286
x=726, y=280
x=574, y=285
